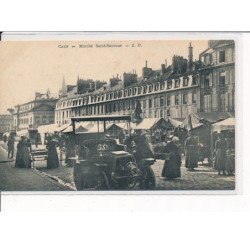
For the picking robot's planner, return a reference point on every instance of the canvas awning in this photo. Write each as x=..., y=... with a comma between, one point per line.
x=121, y=125
x=63, y=127
x=49, y=128
x=228, y=124
x=22, y=133
x=175, y=122
x=195, y=120
x=150, y=123
x=79, y=127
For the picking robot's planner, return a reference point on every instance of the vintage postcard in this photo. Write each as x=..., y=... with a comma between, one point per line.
x=124, y=113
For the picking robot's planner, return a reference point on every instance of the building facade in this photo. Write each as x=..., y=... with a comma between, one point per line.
x=31, y=115
x=218, y=77
x=174, y=90
x=6, y=123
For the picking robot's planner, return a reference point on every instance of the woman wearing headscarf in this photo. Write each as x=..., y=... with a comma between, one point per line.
x=52, y=160
x=172, y=165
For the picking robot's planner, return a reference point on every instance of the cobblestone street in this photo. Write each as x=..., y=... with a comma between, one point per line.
x=203, y=178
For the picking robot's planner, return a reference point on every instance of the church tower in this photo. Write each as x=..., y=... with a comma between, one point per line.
x=63, y=90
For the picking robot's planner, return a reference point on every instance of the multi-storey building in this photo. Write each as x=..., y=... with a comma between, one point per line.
x=218, y=76
x=6, y=123
x=174, y=90
x=39, y=111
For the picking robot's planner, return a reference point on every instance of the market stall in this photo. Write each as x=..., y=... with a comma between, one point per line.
x=228, y=124
x=45, y=130
x=227, y=129
x=201, y=126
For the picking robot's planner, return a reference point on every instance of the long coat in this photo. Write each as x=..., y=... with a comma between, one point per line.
x=143, y=149
x=173, y=163
x=191, y=153
x=220, y=154
x=23, y=159
x=52, y=160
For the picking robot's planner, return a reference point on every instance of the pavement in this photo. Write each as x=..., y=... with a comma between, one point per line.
x=42, y=179
x=26, y=179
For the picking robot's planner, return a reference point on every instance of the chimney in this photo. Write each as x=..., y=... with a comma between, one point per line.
x=163, y=68
x=190, y=56
x=146, y=64
x=37, y=95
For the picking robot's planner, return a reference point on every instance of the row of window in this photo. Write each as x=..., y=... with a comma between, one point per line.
x=129, y=92
x=5, y=122
x=224, y=77
x=208, y=58
x=4, y=128
x=38, y=120
x=127, y=105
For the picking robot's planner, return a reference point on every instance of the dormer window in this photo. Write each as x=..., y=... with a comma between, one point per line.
x=177, y=83
x=156, y=87
x=169, y=84
x=162, y=85
x=150, y=88
x=185, y=81
x=139, y=90
x=207, y=59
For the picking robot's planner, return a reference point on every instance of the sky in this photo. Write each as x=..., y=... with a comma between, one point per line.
x=27, y=67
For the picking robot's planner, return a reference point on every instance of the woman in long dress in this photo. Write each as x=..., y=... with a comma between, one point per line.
x=220, y=154
x=23, y=159
x=172, y=165
x=52, y=160
x=191, y=153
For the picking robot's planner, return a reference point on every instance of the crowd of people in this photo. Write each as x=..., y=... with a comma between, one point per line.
x=189, y=149
x=24, y=150
x=174, y=150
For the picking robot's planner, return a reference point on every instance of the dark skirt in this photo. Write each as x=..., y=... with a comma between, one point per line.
x=23, y=159
x=171, y=169
x=191, y=160
x=52, y=160
x=220, y=160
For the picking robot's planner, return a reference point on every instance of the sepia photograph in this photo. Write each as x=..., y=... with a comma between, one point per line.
x=117, y=115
